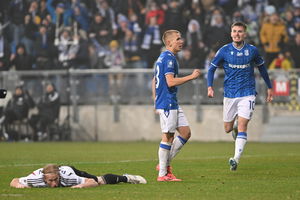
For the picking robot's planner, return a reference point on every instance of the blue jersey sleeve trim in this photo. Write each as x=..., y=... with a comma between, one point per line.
x=210, y=75
x=264, y=74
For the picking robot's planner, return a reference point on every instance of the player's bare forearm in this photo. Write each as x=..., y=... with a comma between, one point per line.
x=15, y=184
x=153, y=89
x=88, y=183
x=175, y=81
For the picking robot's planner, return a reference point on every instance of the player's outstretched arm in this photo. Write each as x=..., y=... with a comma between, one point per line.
x=89, y=182
x=175, y=81
x=16, y=184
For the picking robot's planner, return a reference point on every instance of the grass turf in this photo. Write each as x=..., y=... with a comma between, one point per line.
x=266, y=171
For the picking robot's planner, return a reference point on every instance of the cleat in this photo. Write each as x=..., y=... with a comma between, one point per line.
x=169, y=172
x=167, y=179
x=233, y=164
x=235, y=131
x=135, y=179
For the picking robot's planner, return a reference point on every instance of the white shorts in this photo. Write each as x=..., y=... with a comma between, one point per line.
x=241, y=106
x=172, y=119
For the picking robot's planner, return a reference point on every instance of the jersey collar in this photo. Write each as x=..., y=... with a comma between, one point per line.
x=170, y=52
x=239, y=48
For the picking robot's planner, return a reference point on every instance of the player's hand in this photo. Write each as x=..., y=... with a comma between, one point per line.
x=210, y=92
x=22, y=186
x=196, y=73
x=269, y=95
x=77, y=186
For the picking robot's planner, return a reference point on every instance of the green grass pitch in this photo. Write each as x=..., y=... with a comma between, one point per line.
x=266, y=170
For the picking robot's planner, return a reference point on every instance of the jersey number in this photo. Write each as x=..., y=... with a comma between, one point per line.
x=251, y=105
x=156, y=77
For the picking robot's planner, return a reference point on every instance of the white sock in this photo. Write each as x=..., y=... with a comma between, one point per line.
x=240, y=143
x=178, y=143
x=163, y=156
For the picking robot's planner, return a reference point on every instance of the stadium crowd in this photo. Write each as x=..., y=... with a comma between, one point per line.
x=117, y=34
x=59, y=34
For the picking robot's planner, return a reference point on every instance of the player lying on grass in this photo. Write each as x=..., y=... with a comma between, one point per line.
x=67, y=176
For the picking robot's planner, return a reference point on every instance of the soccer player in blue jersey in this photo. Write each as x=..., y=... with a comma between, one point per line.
x=238, y=60
x=172, y=118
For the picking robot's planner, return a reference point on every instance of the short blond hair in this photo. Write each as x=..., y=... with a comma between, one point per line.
x=167, y=34
x=51, y=169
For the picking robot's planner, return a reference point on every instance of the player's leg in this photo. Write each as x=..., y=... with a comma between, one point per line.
x=164, y=152
x=230, y=110
x=245, y=111
x=125, y=178
x=184, y=134
x=168, y=123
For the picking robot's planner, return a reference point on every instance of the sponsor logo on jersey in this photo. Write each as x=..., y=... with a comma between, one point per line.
x=239, y=66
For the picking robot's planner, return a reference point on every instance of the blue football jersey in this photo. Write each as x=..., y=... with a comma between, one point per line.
x=166, y=97
x=238, y=66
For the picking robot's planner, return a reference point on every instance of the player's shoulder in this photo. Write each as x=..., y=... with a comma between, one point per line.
x=167, y=55
x=251, y=47
x=37, y=173
x=65, y=170
x=223, y=49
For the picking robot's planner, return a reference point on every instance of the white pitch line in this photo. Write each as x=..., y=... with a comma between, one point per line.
x=144, y=160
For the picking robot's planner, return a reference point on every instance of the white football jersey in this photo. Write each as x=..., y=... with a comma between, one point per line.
x=67, y=178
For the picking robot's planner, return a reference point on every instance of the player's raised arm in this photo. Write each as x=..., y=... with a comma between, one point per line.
x=175, y=81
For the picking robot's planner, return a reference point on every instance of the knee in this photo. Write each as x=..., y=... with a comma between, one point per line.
x=186, y=135
x=227, y=128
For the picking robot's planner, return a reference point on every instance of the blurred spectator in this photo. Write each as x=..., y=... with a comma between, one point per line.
x=115, y=61
x=289, y=21
x=273, y=37
x=44, y=49
x=68, y=47
x=174, y=18
x=4, y=51
x=42, y=9
x=186, y=61
x=48, y=112
x=60, y=14
x=100, y=30
x=16, y=14
x=80, y=15
x=217, y=34
x=102, y=7
x=21, y=60
x=294, y=49
x=195, y=42
x=81, y=60
x=155, y=11
x=281, y=63
x=17, y=108
x=30, y=28
x=151, y=42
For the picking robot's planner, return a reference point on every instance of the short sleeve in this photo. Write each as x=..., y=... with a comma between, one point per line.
x=69, y=177
x=35, y=179
x=169, y=65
